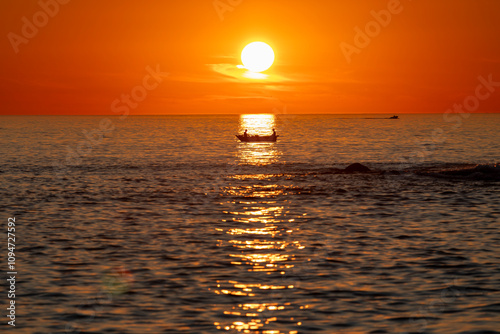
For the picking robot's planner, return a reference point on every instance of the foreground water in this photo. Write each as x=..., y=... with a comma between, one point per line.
x=170, y=225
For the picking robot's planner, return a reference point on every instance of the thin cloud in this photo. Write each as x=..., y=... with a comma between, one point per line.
x=238, y=73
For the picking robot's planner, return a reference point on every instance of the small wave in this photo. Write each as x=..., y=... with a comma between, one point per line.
x=480, y=332
x=479, y=172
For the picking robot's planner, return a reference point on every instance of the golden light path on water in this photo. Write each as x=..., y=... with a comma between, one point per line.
x=262, y=246
x=258, y=153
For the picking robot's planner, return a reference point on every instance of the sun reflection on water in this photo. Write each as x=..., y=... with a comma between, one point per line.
x=257, y=124
x=259, y=240
x=258, y=153
x=260, y=243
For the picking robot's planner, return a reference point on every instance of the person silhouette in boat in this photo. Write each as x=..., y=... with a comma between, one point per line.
x=245, y=134
x=274, y=133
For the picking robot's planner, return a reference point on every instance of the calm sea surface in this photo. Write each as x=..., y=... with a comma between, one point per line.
x=170, y=225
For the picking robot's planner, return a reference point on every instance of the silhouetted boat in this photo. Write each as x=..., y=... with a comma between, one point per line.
x=257, y=138
x=394, y=117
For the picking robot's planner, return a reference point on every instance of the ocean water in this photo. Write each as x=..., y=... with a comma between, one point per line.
x=170, y=225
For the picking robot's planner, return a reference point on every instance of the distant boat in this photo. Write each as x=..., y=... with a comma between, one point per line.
x=394, y=117
x=257, y=138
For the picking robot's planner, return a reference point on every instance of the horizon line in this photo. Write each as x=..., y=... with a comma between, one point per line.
x=256, y=113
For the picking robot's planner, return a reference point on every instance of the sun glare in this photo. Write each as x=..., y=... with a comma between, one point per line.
x=258, y=124
x=257, y=57
x=258, y=153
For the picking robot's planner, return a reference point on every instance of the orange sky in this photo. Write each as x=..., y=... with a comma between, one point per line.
x=88, y=56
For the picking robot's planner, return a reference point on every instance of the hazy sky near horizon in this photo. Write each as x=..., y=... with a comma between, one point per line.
x=99, y=57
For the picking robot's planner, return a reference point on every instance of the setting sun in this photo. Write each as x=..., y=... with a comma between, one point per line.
x=257, y=57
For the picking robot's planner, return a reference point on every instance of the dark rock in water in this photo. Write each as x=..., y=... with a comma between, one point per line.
x=357, y=167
